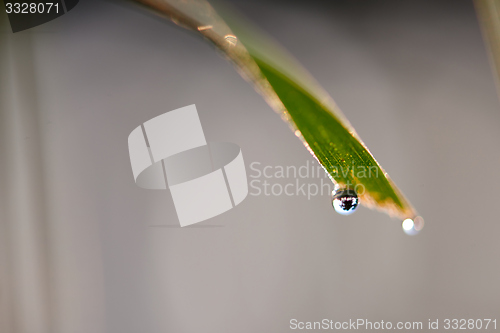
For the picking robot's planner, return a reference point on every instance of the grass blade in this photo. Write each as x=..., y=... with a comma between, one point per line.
x=488, y=12
x=297, y=98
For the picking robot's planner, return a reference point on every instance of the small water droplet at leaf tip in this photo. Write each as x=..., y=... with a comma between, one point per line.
x=413, y=226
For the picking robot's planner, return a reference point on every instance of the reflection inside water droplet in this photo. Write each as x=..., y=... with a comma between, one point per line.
x=345, y=201
x=413, y=226
x=231, y=39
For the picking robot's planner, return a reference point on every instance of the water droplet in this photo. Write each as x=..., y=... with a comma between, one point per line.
x=204, y=27
x=345, y=201
x=231, y=39
x=413, y=226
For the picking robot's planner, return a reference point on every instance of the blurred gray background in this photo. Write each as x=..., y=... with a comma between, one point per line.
x=83, y=249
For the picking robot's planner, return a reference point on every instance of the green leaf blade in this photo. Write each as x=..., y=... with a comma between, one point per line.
x=341, y=154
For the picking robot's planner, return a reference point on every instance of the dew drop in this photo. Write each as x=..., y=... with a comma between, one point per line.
x=345, y=201
x=231, y=39
x=413, y=226
x=204, y=27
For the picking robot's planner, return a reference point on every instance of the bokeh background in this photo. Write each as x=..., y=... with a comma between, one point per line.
x=83, y=249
